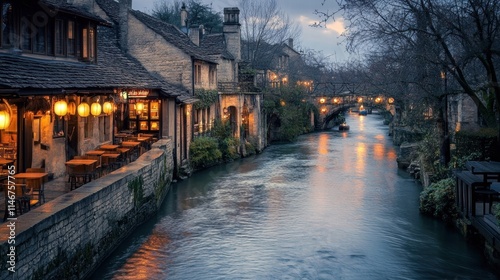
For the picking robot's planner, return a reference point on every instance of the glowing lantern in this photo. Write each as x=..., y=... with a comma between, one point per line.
x=72, y=108
x=139, y=107
x=83, y=109
x=107, y=107
x=322, y=100
x=4, y=119
x=61, y=108
x=95, y=109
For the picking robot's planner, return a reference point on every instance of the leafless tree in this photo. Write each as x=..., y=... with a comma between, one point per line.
x=264, y=28
x=458, y=40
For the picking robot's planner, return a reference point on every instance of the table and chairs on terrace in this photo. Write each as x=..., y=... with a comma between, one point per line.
x=479, y=183
x=81, y=169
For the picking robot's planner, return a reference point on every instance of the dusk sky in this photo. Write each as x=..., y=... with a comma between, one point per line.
x=327, y=40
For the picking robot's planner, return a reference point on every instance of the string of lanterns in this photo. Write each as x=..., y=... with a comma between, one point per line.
x=62, y=108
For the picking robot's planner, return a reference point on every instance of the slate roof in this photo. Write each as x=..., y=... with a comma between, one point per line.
x=62, y=6
x=113, y=70
x=169, y=32
x=215, y=44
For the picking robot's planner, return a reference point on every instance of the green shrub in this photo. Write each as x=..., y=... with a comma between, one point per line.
x=482, y=142
x=438, y=200
x=204, y=152
x=496, y=211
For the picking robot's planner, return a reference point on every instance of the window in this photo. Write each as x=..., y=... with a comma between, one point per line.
x=211, y=76
x=59, y=125
x=26, y=34
x=59, y=37
x=88, y=43
x=6, y=23
x=71, y=38
x=197, y=74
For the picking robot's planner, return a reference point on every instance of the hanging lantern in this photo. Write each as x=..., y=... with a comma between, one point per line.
x=83, y=109
x=72, y=108
x=4, y=119
x=107, y=108
x=61, y=108
x=95, y=109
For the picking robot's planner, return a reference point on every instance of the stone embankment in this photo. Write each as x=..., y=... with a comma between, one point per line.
x=66, y=238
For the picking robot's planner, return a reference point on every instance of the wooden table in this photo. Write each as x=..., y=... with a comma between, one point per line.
x=95, y=153
x=130, y=144
x=490, y=170
x=86, y=162
x=6, y=161
x=109, y=147
x=34, y=182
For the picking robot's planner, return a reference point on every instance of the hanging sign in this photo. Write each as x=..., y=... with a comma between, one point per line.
x=137, y=93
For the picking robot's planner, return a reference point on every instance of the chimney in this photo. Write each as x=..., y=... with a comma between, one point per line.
x=232, y=31
x=194, y=35
x=290, y=43
x=184, y=18
x=125, y=6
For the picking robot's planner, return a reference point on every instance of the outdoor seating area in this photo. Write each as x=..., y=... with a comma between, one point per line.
x=477, y=187
x=33, y=187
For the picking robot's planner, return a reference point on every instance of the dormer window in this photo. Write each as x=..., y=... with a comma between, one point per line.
x=33, y=30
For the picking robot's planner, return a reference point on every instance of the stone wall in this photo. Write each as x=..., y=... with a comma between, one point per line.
x=66, y=238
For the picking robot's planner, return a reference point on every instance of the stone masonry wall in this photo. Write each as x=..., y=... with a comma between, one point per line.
x=66, y=238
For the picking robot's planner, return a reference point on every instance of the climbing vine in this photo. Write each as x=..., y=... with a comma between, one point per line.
x=206, y=98
x=136, y=187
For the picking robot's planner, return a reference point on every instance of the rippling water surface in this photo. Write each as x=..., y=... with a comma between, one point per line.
x=333, y=205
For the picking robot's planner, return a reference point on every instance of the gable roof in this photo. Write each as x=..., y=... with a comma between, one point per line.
x=215, y=44
x=36, y=75
x=169, y=32
x=58, y=6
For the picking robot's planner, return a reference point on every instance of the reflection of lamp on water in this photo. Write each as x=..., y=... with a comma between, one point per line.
x=5, y=114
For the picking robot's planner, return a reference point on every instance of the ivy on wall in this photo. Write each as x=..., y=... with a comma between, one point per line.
x=206, y=98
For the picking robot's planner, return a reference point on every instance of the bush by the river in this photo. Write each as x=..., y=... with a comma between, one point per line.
x=438, y=200
x=204, y=152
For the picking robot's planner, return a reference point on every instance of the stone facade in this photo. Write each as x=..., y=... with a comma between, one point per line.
x=66, y=238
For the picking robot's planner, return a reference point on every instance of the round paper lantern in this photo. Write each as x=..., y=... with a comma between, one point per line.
x=95, y=109
x=72, y=108
x=61, y=108
x=4, y=119
x=83, y=109
x=107, y=107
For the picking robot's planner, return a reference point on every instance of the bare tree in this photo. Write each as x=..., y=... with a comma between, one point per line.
x=458, y=40
x=264, y=28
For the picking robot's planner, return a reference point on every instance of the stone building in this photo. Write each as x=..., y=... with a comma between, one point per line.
x=170, y=55
x=240, y=100
x=56, y=53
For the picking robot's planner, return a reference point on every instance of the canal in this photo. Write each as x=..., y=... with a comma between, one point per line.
x=333, y=205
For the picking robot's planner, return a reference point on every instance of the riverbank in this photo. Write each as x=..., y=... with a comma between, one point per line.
x=69, y=236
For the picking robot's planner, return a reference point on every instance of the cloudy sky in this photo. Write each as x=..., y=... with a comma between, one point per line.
x=327, y=40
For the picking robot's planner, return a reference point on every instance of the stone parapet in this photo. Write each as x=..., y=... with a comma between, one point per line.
x=68, y=237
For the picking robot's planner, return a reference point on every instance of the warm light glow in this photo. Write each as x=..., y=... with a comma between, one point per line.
x=72, y=108
x=95, y=109
x=390, y=100
x=323, y=110
x=360, y=99
x=139, y=107
x=83, y=109
x=107, y=108
x=4, y=119
x=378, y=99
x=283, y=103
x=335, y=100
x=61, y=108
x=322, y=100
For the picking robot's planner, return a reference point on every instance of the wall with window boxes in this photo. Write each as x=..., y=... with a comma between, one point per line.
x=68, y=237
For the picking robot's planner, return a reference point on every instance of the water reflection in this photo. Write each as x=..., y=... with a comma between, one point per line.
x=331, y=206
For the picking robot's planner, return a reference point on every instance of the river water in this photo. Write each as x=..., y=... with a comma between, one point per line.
x=333, y=205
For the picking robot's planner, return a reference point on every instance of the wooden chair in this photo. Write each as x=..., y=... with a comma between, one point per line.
x=38, y=189
x=17, y=200
x=78, y=175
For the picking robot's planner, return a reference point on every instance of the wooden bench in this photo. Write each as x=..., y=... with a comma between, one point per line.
x=469, y=188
